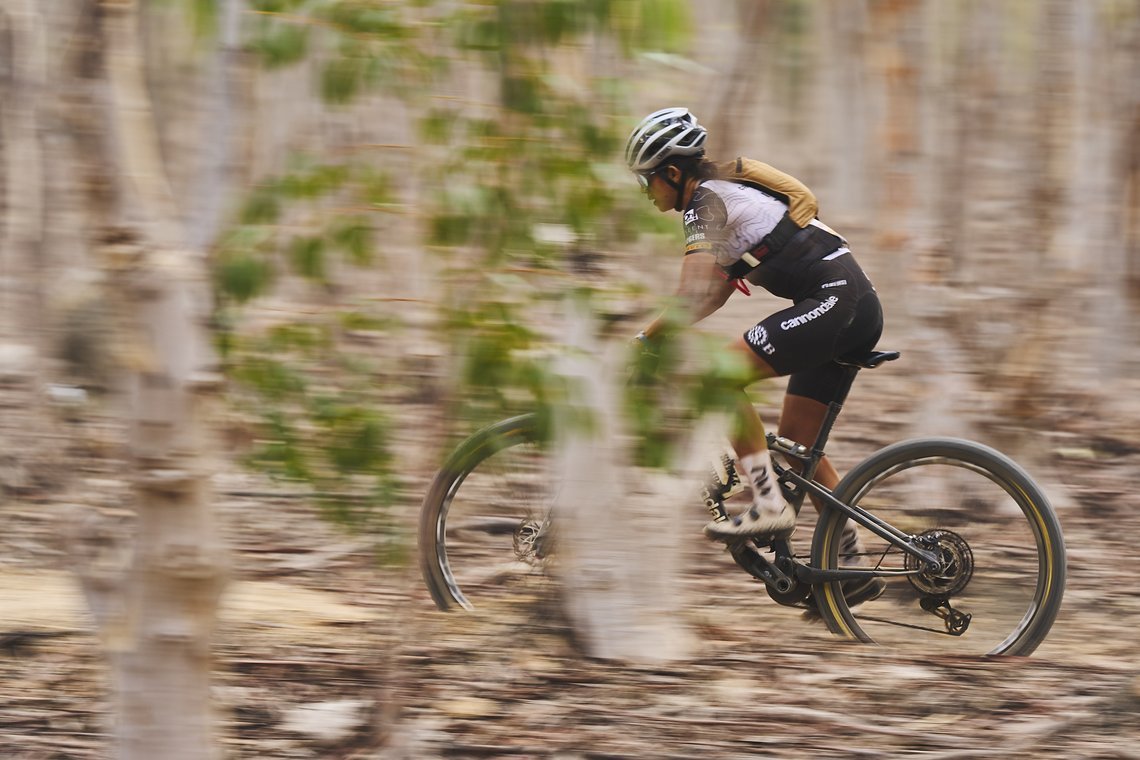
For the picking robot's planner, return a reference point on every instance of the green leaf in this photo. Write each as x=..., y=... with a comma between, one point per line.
x=653, y=24
x=261, y=207
x=341, y=79
x=362, y=18
x=243, y=275
x=354, y=236
x=561, y=19
x=359, y=441
x=479, y=34
x=313, y=182
x=296, y=337
x=281, y=44
x=204, y=17
x=450, y=228
x=354, y=320
x=522, y=93
x=275, y=6
x=438, y=126
x=273, y=379
x=308, y=257
x=281, y=452
x=376, y=188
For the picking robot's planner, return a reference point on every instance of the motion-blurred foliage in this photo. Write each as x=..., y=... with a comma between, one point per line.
x=519, y=199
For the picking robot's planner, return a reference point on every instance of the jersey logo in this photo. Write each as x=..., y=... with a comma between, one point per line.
x=758, y=338
x=806, y=317
x=690, y=216
x=705, y=214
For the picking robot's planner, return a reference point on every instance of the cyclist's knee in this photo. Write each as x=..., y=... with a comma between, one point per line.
x=759, y=368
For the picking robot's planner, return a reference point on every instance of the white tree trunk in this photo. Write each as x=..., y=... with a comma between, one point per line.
x=216, y=176
x=618, y=529
x=158, y=615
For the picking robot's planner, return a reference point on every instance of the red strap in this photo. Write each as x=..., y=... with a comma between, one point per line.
x=737, y=283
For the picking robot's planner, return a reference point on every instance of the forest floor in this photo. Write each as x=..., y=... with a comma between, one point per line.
x=320, y=653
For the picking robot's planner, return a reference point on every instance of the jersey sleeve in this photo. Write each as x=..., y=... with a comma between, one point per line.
x=705, y=221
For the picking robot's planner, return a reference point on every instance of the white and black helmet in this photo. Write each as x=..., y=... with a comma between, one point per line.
x=662, y=135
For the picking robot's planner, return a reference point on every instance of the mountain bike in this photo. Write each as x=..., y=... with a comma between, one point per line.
x=969, y=548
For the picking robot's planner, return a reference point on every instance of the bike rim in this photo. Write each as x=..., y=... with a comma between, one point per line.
x=488, y=519
x=978, y=515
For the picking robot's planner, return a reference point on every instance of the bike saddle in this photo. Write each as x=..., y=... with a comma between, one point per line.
x=867, y=359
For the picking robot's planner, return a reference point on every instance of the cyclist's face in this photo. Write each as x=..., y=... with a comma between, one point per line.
x=658, y=190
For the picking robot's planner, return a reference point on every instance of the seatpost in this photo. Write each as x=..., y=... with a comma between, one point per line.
x=833, y=410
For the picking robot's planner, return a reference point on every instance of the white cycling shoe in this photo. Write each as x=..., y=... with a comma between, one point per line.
x=754, y=522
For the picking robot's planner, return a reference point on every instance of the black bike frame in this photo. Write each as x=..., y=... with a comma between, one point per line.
x=880, y=528
x=805, y=483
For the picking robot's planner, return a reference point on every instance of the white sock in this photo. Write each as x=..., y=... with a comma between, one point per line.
x=765, y=490
x=850, y=547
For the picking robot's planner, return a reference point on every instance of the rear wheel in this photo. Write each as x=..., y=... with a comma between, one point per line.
x=998, y=586
x=484, y=524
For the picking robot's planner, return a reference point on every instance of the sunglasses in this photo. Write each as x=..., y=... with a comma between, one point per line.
x=643, y=178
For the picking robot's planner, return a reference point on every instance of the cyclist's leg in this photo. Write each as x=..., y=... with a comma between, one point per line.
x=769, y=513
x=748, y=436
x=812, y=387
x=809, y=393
x=803, y=337
x=800, y=420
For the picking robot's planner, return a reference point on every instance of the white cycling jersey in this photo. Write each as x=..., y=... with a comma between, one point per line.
x=729, y=219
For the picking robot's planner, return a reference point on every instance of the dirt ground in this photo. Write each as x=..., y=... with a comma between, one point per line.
x=322, y=654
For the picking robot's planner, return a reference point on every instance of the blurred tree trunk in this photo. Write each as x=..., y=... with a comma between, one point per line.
x=1131, y=168
x=849, y=111
x=731, y=124
x=974, y=94
x=217, y=173
x=897, y=61
x=1110, y=75
x=1052, y=114
x=27, y=455
x=157, y=616
x=1082, y=227
x=22, y=81
x=619, y=528
x=1129, y=83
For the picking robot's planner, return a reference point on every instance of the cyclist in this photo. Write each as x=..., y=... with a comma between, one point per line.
x=735, y=234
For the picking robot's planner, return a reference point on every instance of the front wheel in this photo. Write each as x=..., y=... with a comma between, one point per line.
x=484, y=523
x=998, y=585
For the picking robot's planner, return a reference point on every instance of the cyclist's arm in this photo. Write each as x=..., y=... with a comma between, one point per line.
x=702, y=290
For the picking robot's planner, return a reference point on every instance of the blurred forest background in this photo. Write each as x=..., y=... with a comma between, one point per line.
x=263, y=261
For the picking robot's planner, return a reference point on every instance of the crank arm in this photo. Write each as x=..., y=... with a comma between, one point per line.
x=759, y=567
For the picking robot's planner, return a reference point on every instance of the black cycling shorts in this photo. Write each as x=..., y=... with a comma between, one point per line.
x=839, y=315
